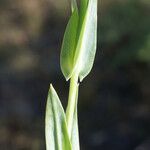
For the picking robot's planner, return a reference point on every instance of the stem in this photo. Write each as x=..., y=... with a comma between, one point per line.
x=71, y=102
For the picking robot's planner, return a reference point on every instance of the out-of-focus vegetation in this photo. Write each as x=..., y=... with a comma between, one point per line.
x=114, y=106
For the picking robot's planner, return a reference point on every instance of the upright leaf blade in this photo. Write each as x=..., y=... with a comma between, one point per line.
x=69, y=45
x=82, y=11
x=55, y=124
x=80, y=40
x=86, y=47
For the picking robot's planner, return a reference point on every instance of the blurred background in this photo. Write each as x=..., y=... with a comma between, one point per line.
x=114, y=100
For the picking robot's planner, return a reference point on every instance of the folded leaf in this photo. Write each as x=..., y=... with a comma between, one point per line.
x=82, y=11
x=80, y=40
x=69, y=45
x=55, y=124
x=86, y=47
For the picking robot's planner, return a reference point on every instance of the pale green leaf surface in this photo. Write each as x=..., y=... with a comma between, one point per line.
x=55, y=124
x=69, y=45
x=86, y=47
x=82, y=11
x=80, y=40
x=73, y=5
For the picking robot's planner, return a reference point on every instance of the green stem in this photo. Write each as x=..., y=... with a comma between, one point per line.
x=71, y=102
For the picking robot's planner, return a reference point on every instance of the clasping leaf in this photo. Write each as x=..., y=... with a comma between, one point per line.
x=80, y=40
x=69, y=45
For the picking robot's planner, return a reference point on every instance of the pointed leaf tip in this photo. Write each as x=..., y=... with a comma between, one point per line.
x=55, y=124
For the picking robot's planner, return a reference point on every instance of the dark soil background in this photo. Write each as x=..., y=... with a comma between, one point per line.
x=114, y=100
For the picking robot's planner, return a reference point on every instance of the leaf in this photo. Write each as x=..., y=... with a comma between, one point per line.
x=69, y=45
x=80, y=40
x=73, y=5
x=55, y=124
x=75, y=132
x=82, y=11
x=86, y=47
